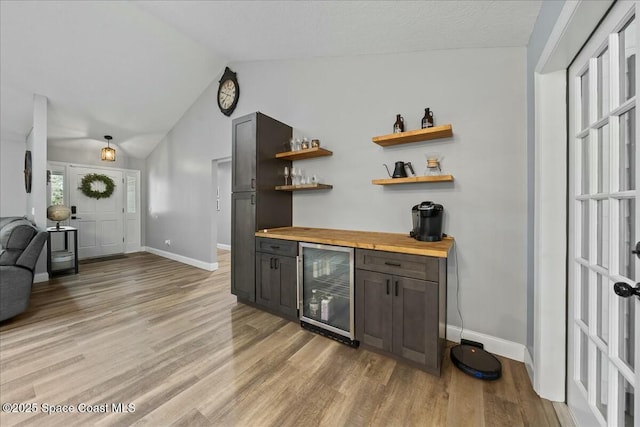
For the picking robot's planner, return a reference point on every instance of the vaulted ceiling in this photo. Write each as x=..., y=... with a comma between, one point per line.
x=131, y=69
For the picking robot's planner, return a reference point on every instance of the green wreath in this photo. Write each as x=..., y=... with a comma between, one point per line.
x=88, y=191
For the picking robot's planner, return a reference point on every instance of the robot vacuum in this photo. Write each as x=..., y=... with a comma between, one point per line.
x=476, y=361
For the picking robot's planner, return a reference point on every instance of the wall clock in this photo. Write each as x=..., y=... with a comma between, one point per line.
x=27, y=171
x=228, y=92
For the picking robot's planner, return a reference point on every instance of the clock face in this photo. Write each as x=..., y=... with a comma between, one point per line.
x=227, y=94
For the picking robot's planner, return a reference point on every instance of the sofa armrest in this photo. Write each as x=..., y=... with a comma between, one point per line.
x=30, y=255
x=15, y=289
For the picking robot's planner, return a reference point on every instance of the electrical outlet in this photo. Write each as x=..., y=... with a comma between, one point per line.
x=167, y=242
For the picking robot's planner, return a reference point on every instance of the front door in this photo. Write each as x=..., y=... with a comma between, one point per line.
x=99, y=221
x=603, y=372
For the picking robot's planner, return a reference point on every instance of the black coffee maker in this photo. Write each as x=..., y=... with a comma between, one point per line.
x=427, y=222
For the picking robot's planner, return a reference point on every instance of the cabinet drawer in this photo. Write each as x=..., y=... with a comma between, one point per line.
x=414, y=266
x=277, y=246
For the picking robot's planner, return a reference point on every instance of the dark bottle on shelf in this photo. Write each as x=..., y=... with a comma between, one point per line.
x=398, y=126
x=427, y=120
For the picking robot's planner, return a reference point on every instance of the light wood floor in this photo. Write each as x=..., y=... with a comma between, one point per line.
x=172, y=340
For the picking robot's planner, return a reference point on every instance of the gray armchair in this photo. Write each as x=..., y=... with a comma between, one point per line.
x=20, y=245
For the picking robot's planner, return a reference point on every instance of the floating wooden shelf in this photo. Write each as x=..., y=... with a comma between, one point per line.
x=309, y=153
x=304, y=187
x=413, y=180
x=444, y=131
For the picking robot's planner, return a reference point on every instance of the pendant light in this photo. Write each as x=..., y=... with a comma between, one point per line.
x=108, y=153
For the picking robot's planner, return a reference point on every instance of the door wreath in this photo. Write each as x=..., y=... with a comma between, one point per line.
x=88, y=190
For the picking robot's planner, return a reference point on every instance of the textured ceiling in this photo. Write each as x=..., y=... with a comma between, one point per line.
x=260, y=30
x=131, y=69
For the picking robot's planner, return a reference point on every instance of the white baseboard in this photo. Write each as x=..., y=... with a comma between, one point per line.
x=209, y=266
x=40, y=277
x=223, y=246
x=528, y=363
x=509, y=349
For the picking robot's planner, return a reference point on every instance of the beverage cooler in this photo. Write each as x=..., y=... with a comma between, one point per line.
x=326, y=291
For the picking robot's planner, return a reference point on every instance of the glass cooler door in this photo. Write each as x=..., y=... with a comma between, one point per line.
x=326, y=287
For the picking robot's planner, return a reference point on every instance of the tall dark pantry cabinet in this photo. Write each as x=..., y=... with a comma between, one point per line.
x=256, y=204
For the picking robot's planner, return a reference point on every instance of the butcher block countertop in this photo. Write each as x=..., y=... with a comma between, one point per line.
x=390, y=242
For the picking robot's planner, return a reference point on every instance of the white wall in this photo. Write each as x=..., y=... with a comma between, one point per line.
x=547, y=17
x=180, y=192
x=346, y=101
x=13, y=197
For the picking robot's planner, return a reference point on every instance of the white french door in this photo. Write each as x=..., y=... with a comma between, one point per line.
x=99, y=221
x=603, y=374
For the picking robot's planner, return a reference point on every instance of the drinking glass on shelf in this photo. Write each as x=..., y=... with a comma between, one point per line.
x=286, y=174
x=294, y=176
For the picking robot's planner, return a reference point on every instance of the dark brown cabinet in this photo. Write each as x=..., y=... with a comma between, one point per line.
x=398, y=312
x=277, y=276
x=256, y=205
x=243, y=225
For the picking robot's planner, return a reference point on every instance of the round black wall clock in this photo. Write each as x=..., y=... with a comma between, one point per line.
x=228, y=92
x=27, y=171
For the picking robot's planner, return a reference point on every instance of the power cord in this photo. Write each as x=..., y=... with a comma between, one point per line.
x=455, y=255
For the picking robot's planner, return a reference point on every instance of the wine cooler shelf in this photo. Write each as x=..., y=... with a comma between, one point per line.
x=326, y=288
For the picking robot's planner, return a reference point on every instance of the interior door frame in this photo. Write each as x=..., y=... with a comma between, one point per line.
x=571, y=30
x=128, y=247
x=547, y=365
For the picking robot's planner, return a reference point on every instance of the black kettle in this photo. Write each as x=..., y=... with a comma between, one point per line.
x=400, y=171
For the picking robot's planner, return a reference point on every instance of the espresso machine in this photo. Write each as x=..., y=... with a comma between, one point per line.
x=427, y=222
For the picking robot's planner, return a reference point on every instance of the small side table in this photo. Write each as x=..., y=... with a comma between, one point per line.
x=66, y=260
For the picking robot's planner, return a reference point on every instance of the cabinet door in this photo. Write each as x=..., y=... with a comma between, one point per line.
x=415, y=321
x=373, y=309
x=266, y=280
x=287, y=273
x=243, y=220
x=243, y=165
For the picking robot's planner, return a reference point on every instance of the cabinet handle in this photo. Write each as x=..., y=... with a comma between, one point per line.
x=388, y=286
x=271, y=263
x=275, y=248
x=253, y=183
x=393, y=264
x=396, y=288
x=253, y=199
x=275, y=263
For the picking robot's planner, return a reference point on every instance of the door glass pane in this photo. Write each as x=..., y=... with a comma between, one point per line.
x=603, y=84
x=131, y=194
x=628, y=150
x=602, y=315
x=57, y=188
x=584, y=359
x=584, y=295
x=584, y=207
x=585, y=165
x=326, y=287
x=602, y=238
x=584, y=100
x=628, y=238
x=602, y=379
x=625, y=401
x=627, y=329
x=628, y=57
x=603, y=159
